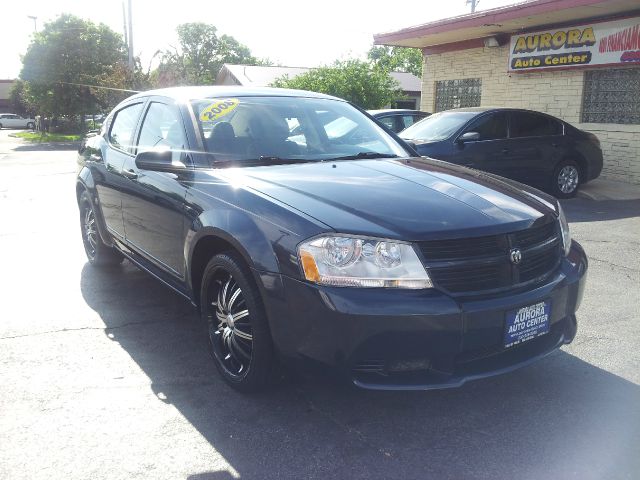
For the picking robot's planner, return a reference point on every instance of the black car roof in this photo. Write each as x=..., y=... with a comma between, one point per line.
x=479, y=110
x=396, y=110
x=190, y=93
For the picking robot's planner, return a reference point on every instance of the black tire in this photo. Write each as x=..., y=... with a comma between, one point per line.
x=235, y=322
x=0, y=126
x=98, y=253
x=31, y=126
x=566, y=179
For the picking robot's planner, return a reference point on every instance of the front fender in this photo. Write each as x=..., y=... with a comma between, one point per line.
x=86, y=182
x=240, y=231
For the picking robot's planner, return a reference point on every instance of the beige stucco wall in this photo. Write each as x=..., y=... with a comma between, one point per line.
x=558, y=93
x=5, y=89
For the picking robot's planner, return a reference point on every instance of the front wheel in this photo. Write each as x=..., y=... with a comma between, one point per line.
x=31, y=126
x=98, y=253
x=566, y=179
x=238, y=335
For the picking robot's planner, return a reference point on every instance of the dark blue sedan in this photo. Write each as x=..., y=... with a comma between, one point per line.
x=306, y=234
x=530, y=147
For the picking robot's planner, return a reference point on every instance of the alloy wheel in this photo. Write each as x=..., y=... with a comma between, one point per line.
x=568, y=179
x=230, y=332
x=90, y=232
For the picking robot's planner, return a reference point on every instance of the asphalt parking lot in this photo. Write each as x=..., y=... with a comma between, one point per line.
x=105, y=374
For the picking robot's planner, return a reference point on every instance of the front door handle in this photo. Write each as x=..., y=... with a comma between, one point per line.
x=130, y=174
x=505, y=150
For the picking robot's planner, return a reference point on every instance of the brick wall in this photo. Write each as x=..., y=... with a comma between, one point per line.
x=557, y=93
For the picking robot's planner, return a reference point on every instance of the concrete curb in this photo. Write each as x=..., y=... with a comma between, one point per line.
x=602, y=189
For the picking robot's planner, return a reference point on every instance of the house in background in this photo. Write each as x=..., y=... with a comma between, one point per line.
x=5, y=90
x=263, y=76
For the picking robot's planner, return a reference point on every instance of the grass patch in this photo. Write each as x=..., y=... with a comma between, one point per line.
x=40, y=137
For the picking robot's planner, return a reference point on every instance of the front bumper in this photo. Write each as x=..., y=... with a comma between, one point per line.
x=421, y=339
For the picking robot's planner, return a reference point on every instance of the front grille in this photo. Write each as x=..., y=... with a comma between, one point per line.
x=481, y=264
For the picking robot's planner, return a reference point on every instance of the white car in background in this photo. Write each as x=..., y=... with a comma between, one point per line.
x=11, y=120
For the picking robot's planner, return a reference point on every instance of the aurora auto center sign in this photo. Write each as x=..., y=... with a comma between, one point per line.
x=615, y=42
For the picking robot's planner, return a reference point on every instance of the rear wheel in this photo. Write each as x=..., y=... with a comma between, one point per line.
x=566, y=179
x=98, y=253
x=237, y=331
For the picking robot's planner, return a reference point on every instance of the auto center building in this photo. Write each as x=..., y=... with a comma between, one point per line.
x=578, y=60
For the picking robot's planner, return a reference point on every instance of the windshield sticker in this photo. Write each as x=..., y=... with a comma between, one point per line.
x=219, y=108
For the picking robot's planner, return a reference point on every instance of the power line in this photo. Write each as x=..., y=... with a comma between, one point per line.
x=99, y=86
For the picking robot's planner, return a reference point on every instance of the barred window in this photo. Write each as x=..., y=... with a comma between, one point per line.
x=465, y=92
x=611, y=96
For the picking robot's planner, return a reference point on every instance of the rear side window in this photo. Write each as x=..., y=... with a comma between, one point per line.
x=409, y=120
x=389, y=122
x=524, y=124
x=490, y=127
x=123, y=127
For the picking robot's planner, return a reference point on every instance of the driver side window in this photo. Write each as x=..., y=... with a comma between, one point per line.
x=490, y=127
x=161, y=128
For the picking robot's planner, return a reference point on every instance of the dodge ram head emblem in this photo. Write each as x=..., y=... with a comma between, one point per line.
x=515, y=255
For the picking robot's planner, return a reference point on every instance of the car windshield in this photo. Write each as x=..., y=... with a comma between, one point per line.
x=437, y=127
x=276, y=129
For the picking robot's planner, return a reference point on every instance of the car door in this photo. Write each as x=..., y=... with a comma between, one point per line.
x=110, y=180
x=534, y=147
x=11, y=121
x=153, y=206
x=487, y=152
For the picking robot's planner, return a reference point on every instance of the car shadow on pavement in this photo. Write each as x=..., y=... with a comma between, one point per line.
x=47, y=146
x=559, y=418
x=587, y=210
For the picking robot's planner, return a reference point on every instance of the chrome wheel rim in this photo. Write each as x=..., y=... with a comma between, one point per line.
x=230, y=332
x=90, y=231
x=568, y=179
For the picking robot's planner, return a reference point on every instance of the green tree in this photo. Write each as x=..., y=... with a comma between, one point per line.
x=70, y=51
x=199, y=56
x=397, y=59
x=19, y=99
x=354, y=80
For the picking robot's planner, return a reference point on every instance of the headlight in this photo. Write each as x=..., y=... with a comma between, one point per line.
x=343, y=261
x=564, y=230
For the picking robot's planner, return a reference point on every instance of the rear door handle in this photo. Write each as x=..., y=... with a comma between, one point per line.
x=130, y=174
x=505, y=150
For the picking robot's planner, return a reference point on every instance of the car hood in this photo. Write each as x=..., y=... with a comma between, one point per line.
x=409, y=199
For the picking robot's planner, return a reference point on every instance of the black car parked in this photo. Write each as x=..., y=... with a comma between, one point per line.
x=306, y=234
x=397, y=119
x=530, y=147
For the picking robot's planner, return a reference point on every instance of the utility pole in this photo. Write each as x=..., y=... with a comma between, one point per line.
x=124, y=25
x=474, y=4
x=131, y=65
x=35, y=19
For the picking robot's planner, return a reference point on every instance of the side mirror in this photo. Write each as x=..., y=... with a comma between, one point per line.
x=469, y=137
x=158, y=161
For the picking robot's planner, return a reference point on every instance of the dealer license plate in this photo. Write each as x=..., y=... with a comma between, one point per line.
x=527, y=323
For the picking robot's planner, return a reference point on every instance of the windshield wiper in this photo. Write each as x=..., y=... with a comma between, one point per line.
x=362, y=155
x=253, y=162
